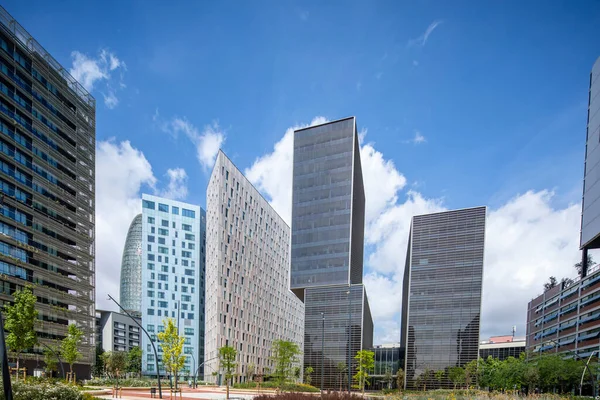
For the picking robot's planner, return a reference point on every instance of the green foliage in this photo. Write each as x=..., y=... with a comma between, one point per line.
x=44, y=391
x=134, y=360
x=342, y=370
x=308, y=375
x=366, y=362
x=99, y=364
x=227, y=362
x=115, y=363
x=20, y=318
x=70, y=345
x=172, y=346
x=456, y=375
x=50, y=359
x=107, y=382
x=289, y=387
x=400, y=378
x=284, y=355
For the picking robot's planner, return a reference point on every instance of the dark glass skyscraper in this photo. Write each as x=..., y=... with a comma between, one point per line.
x=328, y=212
x=441, y=300
x=47, y=152
x=590, y=204
x=131, y=269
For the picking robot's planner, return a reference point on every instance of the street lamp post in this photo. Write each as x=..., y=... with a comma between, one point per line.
x=151, y=342
x=349, y=340
x=322, y=351
x=8, y=394
x=194, y=377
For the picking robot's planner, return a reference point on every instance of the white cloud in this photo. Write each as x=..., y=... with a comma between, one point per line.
x=527, y=239
x=272, y=173
x=121, y=172
x=89, y=71
x=208, y=142
x=177, y=186
x=422, y=40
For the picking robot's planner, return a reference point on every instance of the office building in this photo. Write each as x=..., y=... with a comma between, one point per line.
x=387, y=362
x=502, y=347
x=131, y=269
x=117, y=331
x=566, y=318
x=248, y=301
x=441, y=302
x=47, y=202
x=590, y=207
x=173, y=277
x=328, y=213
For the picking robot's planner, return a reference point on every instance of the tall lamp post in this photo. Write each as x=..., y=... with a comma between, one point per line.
x=151, y=342
x=194, y=378
x=8, y=395
x=322, y=350
x=349, y=340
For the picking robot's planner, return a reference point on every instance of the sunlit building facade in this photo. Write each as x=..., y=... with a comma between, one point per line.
x=131, y=269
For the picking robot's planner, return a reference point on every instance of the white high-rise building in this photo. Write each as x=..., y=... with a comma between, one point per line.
x=248, y=300
x=172, y=277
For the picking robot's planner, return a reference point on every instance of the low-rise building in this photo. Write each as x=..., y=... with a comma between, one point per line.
x=117, y=332
x=502, y=347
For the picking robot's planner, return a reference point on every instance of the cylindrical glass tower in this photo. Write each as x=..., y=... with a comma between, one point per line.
x=131, y=268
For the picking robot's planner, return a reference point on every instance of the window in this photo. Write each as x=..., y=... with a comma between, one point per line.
x=163, y=207
x=190, y=316
x=187, y=254
x=190, y=281
x=164, y=222
x=185, y=297
x=150, y=220
x=187, y=213
x=150, y=257
x=150, y=266
x=164, y=232
x=163, y=304
x=164, y=268
x=149, y=247
x=150, y=311
x=151, y=285
x=185, y=263
x=150, y=328
x=175, y=210
x=189, y=236
x=163, y=277
x=161, y=295
x=161, y=240
x=188, y=331
x=189, y=272
x=162, y=250
x=150, y=293
x=152, y=229
x=148, y=204
x=186, y=227
x=150, y=239
x=191, y=246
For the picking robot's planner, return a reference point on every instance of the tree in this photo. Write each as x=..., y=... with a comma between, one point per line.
x=20, y=318
x=172, y=347
x=250, y=372
x=400, y=378
x=116, y=363
x=227, y=361
x=284, y=355
x=471, y=373
x=456, y=375
x=134, y=360
x=308, y=375
x=341, y=369
x=365, y=362
x=550, y=284
x=579, y=265
x=439, y=376
x=50, y=359
x=388, y=377
x=70, y=346
x=99, y=364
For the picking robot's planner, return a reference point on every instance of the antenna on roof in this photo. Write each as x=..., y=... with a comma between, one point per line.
x=514, y=330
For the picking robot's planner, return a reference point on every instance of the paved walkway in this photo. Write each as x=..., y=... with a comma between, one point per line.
x=188, y=394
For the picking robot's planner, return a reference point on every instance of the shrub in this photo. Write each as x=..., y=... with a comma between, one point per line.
x=44, y=391
x=302, y=396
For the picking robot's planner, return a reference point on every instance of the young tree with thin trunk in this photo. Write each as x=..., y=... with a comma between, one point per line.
x=400, y=379
x=284, y=355
x=20, y=318
x=341, y=369
x=366, y=362
x=134, y=361
x=116, y=364
x=308, y=375
x=50, y=359
x=70, y=346
x=227, y=361
x=172, y=347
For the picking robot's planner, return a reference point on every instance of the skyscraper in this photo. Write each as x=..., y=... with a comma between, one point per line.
x=131, y=269
x=47, y=205
x=248, y=301
x=172, y=276
x=328, y=214
x=441, y=299
x=590, y=204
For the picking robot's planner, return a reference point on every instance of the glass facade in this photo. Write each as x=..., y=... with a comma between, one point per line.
x=328, y=212
x=590, y=217
x=131, y=268
x=387, y=363
x=172, y=278
x=501, y=351
x=442, y=292
x=346, y=331
x=47, y=183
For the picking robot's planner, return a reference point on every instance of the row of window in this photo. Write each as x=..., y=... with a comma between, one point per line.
x=165, y=208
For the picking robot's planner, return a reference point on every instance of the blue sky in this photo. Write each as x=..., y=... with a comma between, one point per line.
x=497, y=92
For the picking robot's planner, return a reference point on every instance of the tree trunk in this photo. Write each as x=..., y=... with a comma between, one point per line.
x=227, y=390
x=18, y=357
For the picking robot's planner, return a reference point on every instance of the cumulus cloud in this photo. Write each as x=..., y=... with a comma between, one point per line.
x=90, y=71
x=177, y=187
x=422, y=40
x=208, y=142
x=272, y=173
x=121, y=172
x=527, y=239
x=417, y=139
